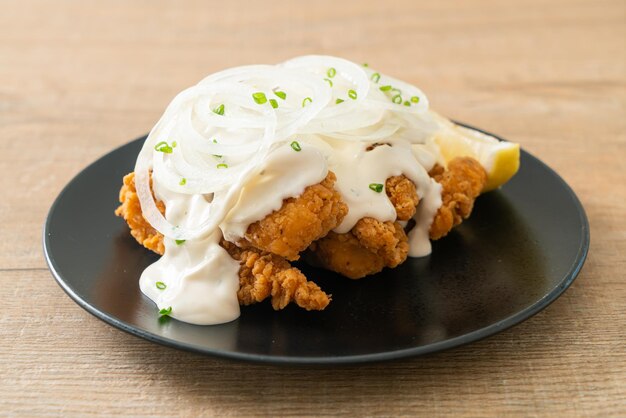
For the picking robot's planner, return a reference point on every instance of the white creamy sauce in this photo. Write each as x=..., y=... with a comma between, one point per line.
x=235, y=165
x=357, y=169
x=197, y=279
x=419, y=241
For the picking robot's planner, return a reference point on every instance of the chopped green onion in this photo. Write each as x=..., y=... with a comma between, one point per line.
x=216, y=155
x=407, y=103
x=174, y=144
x=375, y=77
x=274, y=103
x=339, y=101
x=352, y=94
x=214, y=141
x=222, y=165
x=296, y=146
x=259, y=97
x=377, y=187
x=331, y=72
x=397, y=99
x=165, y=312
x=180, y=241
x=385, y=88
x=160, y=285
x=183, y=181
x=219, y=110
x=306, y=99
x=415, y=99
x=329, y=81
x=163, y=147
x=281, y=94
x=366, y=64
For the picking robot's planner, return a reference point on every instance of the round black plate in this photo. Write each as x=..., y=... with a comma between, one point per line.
x=520, y=249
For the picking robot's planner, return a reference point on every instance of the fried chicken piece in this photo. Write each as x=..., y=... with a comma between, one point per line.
x=130, y=210
x=461, y=184
x=344, y=254
x=370, y=246
x=386, y=239
x=261, y=274
x=264, y=275
x=300, y=221
x=403, y=195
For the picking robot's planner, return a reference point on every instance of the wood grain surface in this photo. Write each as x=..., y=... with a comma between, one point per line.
x=79, y=78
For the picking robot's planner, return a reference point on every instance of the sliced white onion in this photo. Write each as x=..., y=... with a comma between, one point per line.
x=216, y=154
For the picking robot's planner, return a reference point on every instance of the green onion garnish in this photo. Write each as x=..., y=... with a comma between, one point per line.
x=415, y=99
x=377, y=187
x=214, y=141
x=397, y=99
x=339, y=101
x=366, y=64
x=180, y=241
x=183, y=181
x=296, y=146
x=219, y=110
x=165, y=312
x=407, y=103
x=281, y=94
x=375, y=77
x=259, y=97
x=352, y=94
x=174, y=144
x=163, y=147
x=331, y=72
x=160, y=285
x=306, y=99
x=274, y=103
x=222, y=165
x=385, y=88
x=329, y=81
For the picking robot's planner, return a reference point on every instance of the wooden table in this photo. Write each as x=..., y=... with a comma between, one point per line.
x=78, y=79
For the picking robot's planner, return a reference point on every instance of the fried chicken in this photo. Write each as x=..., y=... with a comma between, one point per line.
x=130, y=210
x=300, y=221
x=461, y=183
x=261, y=274
x=403, y=196
x=370, y=246
x=308, y=220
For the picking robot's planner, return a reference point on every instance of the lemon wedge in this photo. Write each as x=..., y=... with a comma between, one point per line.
x=499, y=158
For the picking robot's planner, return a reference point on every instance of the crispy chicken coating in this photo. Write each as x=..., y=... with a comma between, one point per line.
x=300, y=221
x=261, y=275
x=403, y=195
x=130, y=210
x=264, y=275
x=344, y=254
x=370, y=246
x=461, y=184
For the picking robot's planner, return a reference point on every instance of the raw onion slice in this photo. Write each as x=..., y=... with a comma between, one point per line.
x=217, y=153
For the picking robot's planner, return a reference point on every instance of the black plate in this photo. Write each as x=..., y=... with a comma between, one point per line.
x=520, y=249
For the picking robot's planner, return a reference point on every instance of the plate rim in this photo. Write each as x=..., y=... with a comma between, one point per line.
x=546, y=300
